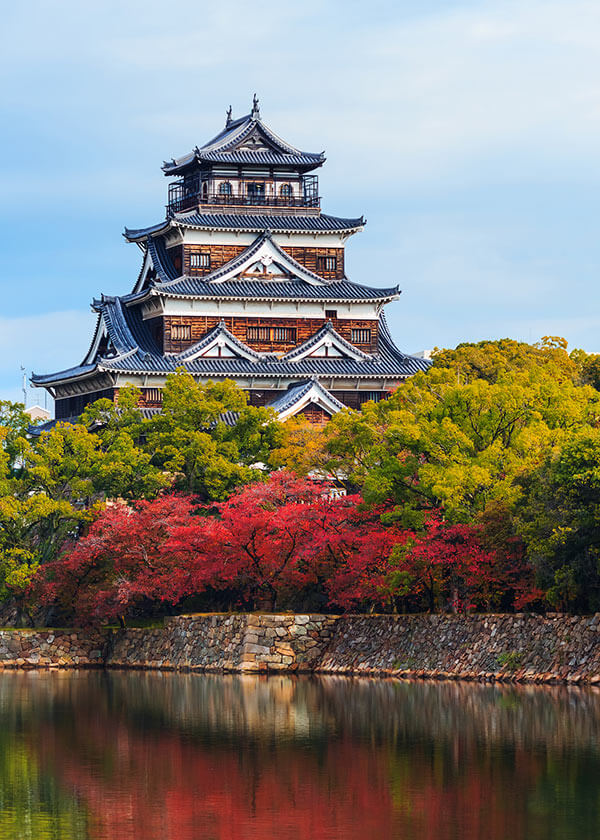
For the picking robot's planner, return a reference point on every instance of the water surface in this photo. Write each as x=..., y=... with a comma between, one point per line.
x=150, y=756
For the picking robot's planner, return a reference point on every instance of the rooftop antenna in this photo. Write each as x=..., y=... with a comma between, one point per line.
x=24, y=386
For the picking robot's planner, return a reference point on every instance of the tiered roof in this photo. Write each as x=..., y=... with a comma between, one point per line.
x=124, y=344
x=133, y=351
x=247, y=140
x=235, y=281
x=249, y=223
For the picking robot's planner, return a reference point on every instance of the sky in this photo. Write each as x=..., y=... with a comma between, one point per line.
x=467, y=133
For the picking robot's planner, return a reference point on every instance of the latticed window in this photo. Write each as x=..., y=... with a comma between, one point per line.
x=361, y=337
x=225, y=188
x=181, y=332
x=284, y=334
x=153, y=395
x=286, y=191
x=259, y=334
x=199, y=260
x=279, y=335
x=327, y=263
x=331, y=313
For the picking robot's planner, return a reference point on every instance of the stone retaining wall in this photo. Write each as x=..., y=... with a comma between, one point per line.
x=52, y=648
x=551, y=648
x=554, y=648
x=217, y=642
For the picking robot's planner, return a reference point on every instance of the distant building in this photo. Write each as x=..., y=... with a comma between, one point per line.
x=245, y=278
x=36, y=412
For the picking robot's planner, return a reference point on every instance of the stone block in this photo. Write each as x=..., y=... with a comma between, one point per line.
x=256, y=649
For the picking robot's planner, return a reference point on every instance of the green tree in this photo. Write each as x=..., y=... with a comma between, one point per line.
x=191, y=440
x=439, y=442
x=15, y=423
x=490, y=360
x=559, y=519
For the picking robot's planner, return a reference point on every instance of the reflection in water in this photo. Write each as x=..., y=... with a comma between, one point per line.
x=134, y=756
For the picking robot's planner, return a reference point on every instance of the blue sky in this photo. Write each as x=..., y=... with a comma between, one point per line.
x=466, y=132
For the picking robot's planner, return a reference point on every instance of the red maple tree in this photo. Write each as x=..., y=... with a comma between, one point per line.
x=272, y=544
x=118, y=563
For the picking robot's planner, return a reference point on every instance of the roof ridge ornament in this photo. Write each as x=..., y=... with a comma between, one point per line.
x=255, y=113
x=228, y=118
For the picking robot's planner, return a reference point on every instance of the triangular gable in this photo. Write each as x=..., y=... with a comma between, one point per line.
x=326, y=344
x=249, y=133
x=263, y=260
x=299, y=397
x=219, y=343
x=99, y=339
x=145, y=275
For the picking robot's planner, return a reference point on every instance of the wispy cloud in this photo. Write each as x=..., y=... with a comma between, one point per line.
x=468, y=131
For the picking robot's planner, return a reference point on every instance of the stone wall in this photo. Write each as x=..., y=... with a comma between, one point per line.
x=217, y=642
x=52, y=649
x=553, y=648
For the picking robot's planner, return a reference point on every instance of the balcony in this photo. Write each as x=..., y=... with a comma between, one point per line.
x=194, y=193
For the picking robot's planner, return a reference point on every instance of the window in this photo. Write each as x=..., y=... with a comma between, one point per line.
x=278, y=335
x=256, y=192
x=361, y=336
x=284, y=334
x=259, y=334
x=285, y=191
x=204, y=191
x=181, y=332
x=225, y=188
x=199, y=260
x=331, y=313
x=152, y=395
x=326, y=263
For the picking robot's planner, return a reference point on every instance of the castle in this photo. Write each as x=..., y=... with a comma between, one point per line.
x=244, y=279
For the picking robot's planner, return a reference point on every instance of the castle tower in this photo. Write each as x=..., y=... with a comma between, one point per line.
x=244, y=279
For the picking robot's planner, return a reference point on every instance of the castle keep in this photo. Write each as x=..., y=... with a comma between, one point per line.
x=244, y=279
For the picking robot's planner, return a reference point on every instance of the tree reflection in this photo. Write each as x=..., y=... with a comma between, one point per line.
x=188, y=756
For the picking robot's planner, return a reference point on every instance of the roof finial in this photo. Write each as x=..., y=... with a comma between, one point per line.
x=255, y=113
x=228, y=118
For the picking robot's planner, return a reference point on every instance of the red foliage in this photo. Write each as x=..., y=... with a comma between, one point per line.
x=259, y=543
x=449, y=566
x=120, y=561
x=268, y=544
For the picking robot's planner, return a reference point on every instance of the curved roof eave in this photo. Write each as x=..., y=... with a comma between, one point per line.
x=214, y=374
x=183, y=296
x=250, y=223
x=235, y=133
x=64, y=376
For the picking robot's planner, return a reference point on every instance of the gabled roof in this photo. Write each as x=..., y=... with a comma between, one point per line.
x=300, y=396
x=269, y=259
x=220, y=338
x=328, y=338
x=138, y=354
x=249, y=222
x=288, y=280
x=247, y=140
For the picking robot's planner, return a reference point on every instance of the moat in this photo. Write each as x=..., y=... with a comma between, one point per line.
x=111, y=755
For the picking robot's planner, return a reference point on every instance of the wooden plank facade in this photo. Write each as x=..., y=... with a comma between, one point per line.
x=270, y=335
x=200, y=260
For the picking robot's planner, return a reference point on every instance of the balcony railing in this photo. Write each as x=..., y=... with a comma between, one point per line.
x=180, y=201
x=188, y=195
